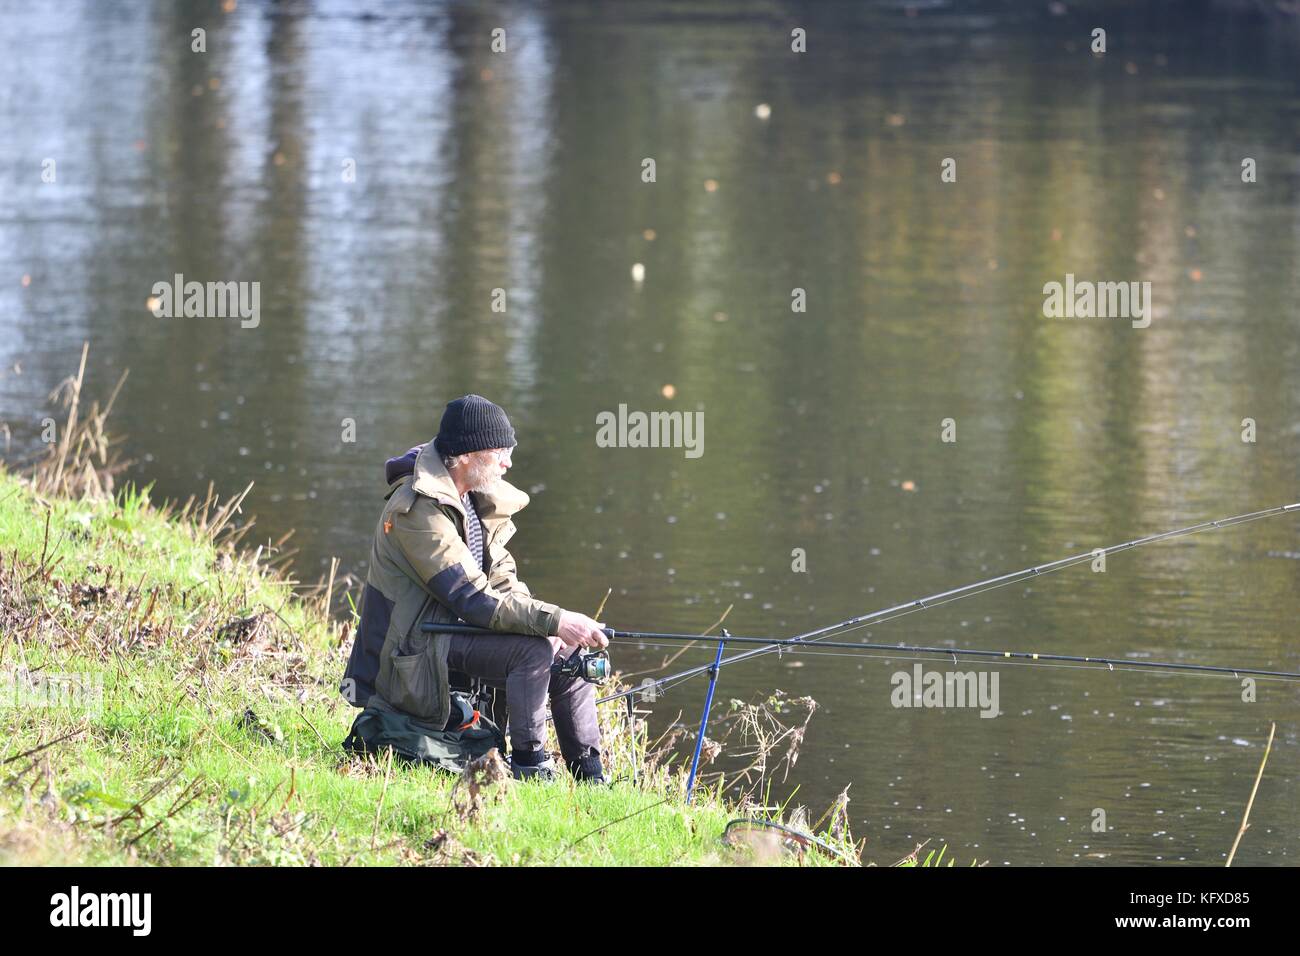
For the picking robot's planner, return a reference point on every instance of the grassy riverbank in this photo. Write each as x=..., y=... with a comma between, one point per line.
x=216, y=740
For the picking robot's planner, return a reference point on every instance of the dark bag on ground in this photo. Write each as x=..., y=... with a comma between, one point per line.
x=467, y=736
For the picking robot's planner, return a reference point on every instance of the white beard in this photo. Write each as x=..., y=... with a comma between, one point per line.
x=482, y=480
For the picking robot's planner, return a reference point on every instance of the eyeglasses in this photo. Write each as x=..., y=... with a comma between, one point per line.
x=501, y=454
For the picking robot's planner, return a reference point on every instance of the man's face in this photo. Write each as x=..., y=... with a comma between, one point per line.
x=487, y=468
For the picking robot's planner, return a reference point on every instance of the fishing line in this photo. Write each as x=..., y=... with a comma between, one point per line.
x=994, y=587
x=1026, y=574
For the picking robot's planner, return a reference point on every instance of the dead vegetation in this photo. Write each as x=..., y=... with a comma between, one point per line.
x=485, y=779
x=761, y=738
x=82, y=462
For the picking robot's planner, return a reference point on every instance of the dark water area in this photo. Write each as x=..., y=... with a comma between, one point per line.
x=477, y=171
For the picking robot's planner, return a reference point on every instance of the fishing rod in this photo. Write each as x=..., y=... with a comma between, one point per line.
x=797, y=643
x=578, y=663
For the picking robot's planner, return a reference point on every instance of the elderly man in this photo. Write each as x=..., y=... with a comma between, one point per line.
x=440, y=555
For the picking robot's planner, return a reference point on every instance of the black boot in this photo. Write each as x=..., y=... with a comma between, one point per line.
x=532, y=765
x=588, y=769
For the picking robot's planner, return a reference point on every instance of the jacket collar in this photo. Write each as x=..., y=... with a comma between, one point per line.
x=432, y=480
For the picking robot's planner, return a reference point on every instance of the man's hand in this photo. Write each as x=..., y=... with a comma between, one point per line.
x=578, y=630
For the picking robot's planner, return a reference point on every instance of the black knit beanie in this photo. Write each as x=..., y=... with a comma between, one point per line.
x=472, y=423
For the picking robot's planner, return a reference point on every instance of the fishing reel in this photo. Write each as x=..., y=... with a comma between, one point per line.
x=593, y=667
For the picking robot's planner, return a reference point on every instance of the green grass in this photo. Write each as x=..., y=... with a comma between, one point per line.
x=166, y=773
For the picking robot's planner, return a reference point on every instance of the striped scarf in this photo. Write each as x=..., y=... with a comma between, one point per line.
x=473, y=530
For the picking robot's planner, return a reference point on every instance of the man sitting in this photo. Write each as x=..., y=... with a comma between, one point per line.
x=439, y=555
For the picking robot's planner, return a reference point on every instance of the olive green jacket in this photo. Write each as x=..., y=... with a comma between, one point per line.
x=422, y=570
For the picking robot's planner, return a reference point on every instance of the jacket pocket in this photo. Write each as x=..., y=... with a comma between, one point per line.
x=415, y=682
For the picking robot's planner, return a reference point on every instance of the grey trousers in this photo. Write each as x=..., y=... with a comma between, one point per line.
x=521, y=666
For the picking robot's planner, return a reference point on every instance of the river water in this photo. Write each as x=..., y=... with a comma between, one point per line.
x=379, y=171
